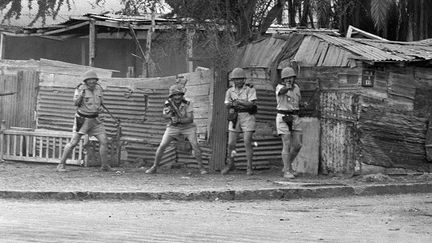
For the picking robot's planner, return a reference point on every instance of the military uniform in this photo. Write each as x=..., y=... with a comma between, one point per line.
x=87, y=120
x=175, y=130
x=287, y=104
x=245, y=121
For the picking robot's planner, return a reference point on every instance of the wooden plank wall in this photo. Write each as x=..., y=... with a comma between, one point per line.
x=394, y=118
x=18, y=108
x=423, y=104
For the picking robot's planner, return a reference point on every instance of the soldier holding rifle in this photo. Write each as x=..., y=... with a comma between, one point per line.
x=179, y=112
x=240, y=102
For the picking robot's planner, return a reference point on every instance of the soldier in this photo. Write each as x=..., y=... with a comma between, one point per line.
x=287, y=120
x=179, y=112
x=88, y=99
x=240, y=102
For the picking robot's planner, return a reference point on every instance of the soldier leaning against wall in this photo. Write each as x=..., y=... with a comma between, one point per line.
x=88, y=98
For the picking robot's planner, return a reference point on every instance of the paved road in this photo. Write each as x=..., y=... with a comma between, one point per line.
x=404, y=218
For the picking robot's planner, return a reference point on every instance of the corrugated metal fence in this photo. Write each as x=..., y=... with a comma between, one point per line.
x=137, y=103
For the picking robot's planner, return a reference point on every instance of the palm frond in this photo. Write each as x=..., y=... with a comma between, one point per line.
x=379, y=12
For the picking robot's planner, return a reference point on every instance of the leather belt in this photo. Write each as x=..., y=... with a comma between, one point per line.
x=87, y=116
x=293, y=112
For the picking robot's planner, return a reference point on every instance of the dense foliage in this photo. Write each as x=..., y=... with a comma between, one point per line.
x=391, y=19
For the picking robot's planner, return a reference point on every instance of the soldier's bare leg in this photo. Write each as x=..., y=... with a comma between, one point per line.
x=103, y=151
x=247, y=136
x=61, y=167
x=197, y=151
x=166, y=140
x=232, y=141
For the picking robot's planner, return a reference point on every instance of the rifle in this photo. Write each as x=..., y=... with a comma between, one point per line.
x=174, y=109
x=115, y=119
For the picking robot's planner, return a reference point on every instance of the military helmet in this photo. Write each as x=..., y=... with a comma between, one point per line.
x=288, y=72
x=176, y=89
x=237, y=73
x=90, y=74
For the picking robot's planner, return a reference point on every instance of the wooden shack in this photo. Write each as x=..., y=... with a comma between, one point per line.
x=372, y=97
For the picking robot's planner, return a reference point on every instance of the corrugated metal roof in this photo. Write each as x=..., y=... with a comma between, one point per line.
x=259, y=54
x=319, y=49
x=382, y=51
x=78, y=24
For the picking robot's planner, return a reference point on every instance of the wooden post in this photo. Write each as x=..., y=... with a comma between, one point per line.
x=137, y=43
x=189, y=49
x=218, y=139
x=83, y=54
x=2, y=43
x=92, y=42
x=2, y=129
x=148, y=45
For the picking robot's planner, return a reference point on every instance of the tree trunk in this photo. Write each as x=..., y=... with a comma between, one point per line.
x=247, y=9
x=271, y=15
x=303, y=20
x=291, y=14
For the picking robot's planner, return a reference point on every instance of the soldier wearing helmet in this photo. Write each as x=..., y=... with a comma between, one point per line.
x=179, y=113
x=240, y=100
x=88, y=98
x=287, y=120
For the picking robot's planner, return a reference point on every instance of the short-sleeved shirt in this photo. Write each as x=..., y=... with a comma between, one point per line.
x=246, y=93
x=92, y=100
x=289, y=101
x=185, y=107
x=245, y=121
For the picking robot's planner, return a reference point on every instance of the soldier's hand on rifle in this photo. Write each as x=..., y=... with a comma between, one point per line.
x=175, y=120
x=235, y=103
x=167, y=110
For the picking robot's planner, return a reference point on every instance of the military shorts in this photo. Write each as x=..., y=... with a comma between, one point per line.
x=245, y=123
x=282, y=126
x=90, y=126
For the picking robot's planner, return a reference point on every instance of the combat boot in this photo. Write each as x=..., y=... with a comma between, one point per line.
x=61, y=168
x=151, y=170
x=229, y=167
